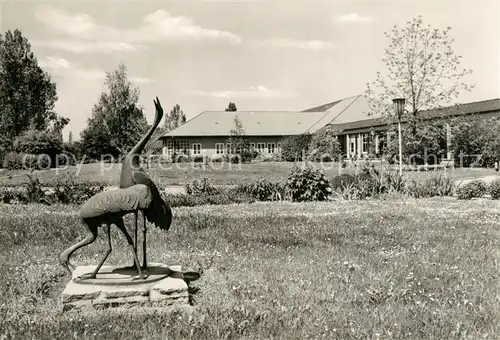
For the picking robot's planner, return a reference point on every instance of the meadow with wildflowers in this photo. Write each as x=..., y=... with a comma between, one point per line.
x=372, y=269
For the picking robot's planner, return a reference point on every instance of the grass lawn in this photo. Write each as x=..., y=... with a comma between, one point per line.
x=413, y=269
x=219, y=173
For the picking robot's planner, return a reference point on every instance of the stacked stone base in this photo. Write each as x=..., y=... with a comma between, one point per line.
x=114, y=287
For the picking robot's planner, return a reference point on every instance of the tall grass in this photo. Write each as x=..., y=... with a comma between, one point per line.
x=413, y=269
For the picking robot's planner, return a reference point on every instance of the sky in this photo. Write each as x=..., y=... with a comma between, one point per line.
x=262, y=55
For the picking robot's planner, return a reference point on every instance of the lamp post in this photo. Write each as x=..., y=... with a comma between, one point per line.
x=399, y=106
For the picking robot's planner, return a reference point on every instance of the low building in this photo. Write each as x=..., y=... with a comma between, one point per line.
x=207, y=133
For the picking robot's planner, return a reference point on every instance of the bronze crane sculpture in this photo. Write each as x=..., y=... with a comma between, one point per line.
x=107, y=208
x=133, y=173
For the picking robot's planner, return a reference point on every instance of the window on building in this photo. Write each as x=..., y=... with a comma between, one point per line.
x=352, y=141
x=169, y=148
x=364, y=142
x=252, y=145
x=271, y=147
x=228, y=148
x=196, y=148
x=278, y=146
x=219, y=148
x=261, y=147
x=182, y=146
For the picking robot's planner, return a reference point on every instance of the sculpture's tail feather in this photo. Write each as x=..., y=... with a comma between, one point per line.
x=159, y=213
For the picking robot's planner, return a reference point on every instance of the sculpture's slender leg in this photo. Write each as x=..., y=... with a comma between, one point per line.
x=135, y=230
x=136, y=218
x=144, y=231
x=65, y=255
x=108, y=251
x=121, y=226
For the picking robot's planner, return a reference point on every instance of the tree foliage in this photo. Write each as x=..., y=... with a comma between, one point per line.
x=231, y=107
x=421, y=66
x=237, y=138
x=27, y=94
x=175, y=118
x=295, y=148
x=476, y=141
x=324, y=146
x=117, y=121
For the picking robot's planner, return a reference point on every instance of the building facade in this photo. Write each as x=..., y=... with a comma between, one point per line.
x=359, y=132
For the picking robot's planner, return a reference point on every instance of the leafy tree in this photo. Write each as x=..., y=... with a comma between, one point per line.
x=324, y=146
x=175, y=118
x=155, y=145
x=422, y=67
x=117, y=122
x=38, y=142
x=295, y=148
x=96, y=139
x=231, y=107
x=27, y=94
x=476, y=141
x=239, y=144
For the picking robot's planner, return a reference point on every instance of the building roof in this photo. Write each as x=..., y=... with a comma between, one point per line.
x=346, y=114
x=484, y=106
x=255, y=123
x=464, y=109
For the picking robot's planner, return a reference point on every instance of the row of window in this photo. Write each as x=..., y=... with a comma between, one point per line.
x=220, y=148
x=260, y=147
x=365, y=141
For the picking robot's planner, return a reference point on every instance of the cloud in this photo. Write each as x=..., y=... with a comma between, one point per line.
x=141, y=80
x=252, y=92
x=83, y=46
x=353, y=18
x=63, y=67
x=85, y=34
x=314, y=45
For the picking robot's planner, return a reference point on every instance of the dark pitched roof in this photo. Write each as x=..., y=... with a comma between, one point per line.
x=324, y=107
x=464, y=109
x=479, y=107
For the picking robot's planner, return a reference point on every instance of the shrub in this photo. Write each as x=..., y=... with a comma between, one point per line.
x=34, y=192
x=369, y=183
x=217, y=158
x=308, y=184
x=14, y=161
x=10, y=196
x=264, y=190
x=198, y=159
x=270, y=157
x=40, y=143
x=324, y=147
x=294, y=148
x=494, y=189
x=228, y=196
x=200, y=186
x=20, y=160
x=431, y=187
x=473, y=189
x=71, y=192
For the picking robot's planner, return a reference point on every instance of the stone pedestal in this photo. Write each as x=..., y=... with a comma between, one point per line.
x=121, y=287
